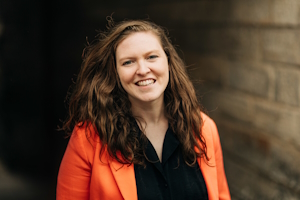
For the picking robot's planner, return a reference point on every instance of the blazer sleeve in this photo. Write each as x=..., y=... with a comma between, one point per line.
x=224, y=193
x=73, y=182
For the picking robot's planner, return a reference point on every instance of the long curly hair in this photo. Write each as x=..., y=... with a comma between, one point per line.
x=98, y=98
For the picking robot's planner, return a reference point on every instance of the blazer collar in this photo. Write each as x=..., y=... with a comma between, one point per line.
x=125, y=179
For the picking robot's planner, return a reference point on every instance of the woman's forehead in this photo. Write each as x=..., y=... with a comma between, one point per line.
x=143, y=41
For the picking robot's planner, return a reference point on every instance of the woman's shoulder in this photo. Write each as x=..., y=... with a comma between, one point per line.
x=85, y=130
x=207, y=121
x=85, y=136
x=209, y=128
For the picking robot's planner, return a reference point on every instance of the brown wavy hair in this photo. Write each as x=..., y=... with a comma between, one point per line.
x=98, y=98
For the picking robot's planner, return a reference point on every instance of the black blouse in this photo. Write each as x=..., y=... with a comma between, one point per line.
x=170, y=179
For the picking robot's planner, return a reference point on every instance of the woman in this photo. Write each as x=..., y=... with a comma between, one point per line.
x=137, y=130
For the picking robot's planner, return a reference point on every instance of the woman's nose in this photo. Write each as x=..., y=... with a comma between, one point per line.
x=142, y=68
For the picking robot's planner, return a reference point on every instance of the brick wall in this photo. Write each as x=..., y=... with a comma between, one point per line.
x=248, y=56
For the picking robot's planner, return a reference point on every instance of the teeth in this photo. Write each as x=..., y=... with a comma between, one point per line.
x=146, y=82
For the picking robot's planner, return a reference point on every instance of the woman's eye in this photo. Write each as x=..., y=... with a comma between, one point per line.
x=152, y=56
x=127, y=62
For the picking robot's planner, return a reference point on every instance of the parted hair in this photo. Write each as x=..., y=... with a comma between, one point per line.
x=98, y=98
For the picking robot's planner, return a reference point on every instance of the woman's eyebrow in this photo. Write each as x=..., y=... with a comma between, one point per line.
x=132, y=57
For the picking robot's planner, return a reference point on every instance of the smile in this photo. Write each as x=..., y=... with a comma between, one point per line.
x=145, y=82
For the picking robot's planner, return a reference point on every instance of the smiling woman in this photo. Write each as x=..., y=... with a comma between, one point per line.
x=137, y=129
x=142, y=66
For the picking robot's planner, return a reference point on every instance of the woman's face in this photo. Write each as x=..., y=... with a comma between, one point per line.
x=142, y=66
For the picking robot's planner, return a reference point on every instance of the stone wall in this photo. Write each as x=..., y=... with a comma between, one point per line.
x=246, y=55
x=249, y=61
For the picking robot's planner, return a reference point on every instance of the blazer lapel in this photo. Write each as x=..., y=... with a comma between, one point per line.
x=125, y=178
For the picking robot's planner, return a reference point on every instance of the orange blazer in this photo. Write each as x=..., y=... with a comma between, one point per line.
x=83, y=176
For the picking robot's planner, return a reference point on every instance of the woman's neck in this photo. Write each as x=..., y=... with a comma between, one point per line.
x=153, y=123
x=151, y=112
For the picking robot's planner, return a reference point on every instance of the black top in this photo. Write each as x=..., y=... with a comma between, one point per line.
x=170, y=179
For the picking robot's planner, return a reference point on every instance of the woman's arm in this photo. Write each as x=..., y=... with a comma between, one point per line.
x=74, y=175
x=222, y=181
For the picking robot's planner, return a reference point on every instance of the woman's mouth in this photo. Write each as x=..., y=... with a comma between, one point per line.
x=145, y=82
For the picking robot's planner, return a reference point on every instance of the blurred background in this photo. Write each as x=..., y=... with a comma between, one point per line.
x=243, y=56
